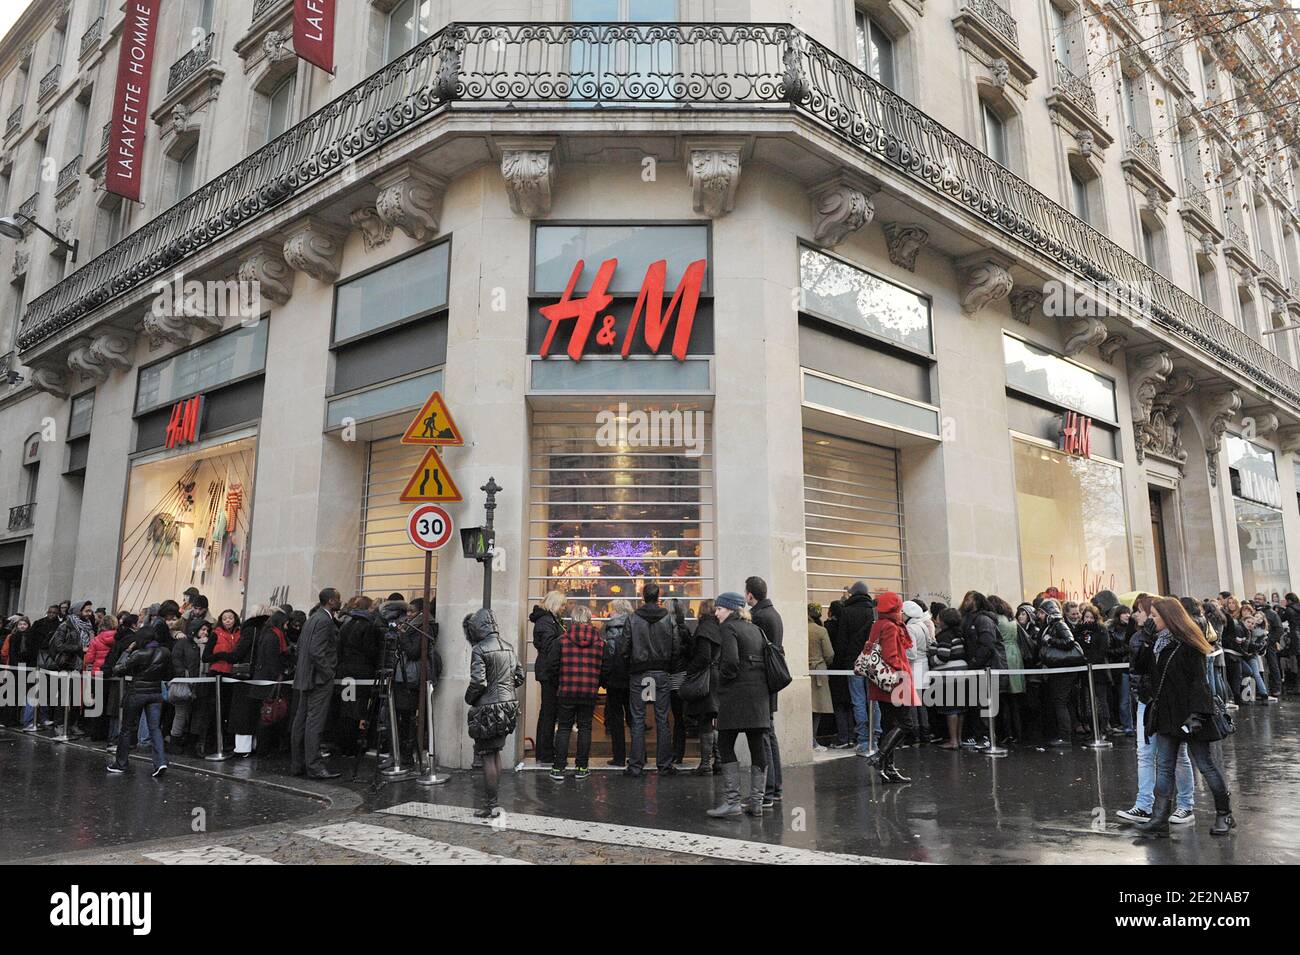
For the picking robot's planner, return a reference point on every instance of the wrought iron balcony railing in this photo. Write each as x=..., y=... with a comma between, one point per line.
x=1194, y=195
x=90, y=39
x=189, y=64
x=1143, y=148
x=22, y=517
x=1270, y=265
x=1236, y=233
x=103, y=140
x=1173, y=62
x=14, y=121
x=1076, y=87
x=68, y=174
x=49, y=82
x=998, y=17
x=28, y=208
x=774, y=68
x=260, y=7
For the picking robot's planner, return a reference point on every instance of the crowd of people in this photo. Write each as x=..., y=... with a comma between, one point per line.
x=278, y=669
x=1169, y=672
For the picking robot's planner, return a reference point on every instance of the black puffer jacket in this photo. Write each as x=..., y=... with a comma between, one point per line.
x=547, y=630
x=980, y=635
x=149, y=667
x=616, y=637
x=857, y=614
x=655, y=643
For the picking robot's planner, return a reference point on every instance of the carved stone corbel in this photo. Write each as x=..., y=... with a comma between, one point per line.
x=84, y=364
x=1288, y=439
x=50, y=379
x=1221, y=407
x=1025, y=304
x=904, y=241
x=1084, y=333
x=1112, y=346
x=410, y=199
x=112, y=349
x=528, y=168
x=264, y=264
x=842, y=205
x=1146, y=377
x=1162, y=433
x=1260, y=422
x=987, y=281
x=315, y=246
x=374, y=230
x=164, y=327
x=714, y=173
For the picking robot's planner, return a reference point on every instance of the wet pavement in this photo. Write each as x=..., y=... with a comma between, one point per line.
x=1033, y=806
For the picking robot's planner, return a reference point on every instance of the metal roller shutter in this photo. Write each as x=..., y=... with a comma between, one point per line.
x=388, y=561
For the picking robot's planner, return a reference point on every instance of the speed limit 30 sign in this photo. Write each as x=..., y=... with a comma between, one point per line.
x=429, y=526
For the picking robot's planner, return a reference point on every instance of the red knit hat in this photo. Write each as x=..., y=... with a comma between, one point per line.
x=888, y=602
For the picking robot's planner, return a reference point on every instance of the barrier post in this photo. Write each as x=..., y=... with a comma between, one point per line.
x=993, y=748
x=220, y=756
x=395, y=771
x=121, y=707
x=431, y=776
x=1097, y=741
x=65, y=735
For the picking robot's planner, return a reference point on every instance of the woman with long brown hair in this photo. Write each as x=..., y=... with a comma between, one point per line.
x=1181, y=711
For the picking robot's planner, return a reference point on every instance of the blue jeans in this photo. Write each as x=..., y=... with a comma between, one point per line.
x=1125, y=704
x=1147, y=771
x=1171, y=748
x=662, y=706
x=858, y=694
x=150, y=705
x=1254, y=669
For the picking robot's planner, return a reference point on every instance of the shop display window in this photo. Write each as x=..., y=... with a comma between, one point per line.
x=856, y=299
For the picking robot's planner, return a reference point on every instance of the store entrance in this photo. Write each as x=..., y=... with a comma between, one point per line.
x=1156, y=498
x=853, y=517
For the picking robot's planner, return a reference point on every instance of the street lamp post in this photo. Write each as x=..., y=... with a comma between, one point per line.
x=11, y=228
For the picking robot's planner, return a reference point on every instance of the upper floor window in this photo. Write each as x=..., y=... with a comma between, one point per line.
x=185, y=173
x=1135, y=107
x=1062, y=43
x=281, y=107
x=995, y=133
x=624, y=11
x=409, y=22
x=875, y=50
x=1079, y=197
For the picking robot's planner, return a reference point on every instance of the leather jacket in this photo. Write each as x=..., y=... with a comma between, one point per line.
x=149, y=667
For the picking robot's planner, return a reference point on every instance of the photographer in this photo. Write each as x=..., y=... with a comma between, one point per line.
x=361, y=649
x=406, y=651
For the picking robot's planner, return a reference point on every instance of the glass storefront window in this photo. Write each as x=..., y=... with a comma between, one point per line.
x=415, y=285
x=1047, y=376
x=203, y=367
x=187, y=524
x=849, y=296
x=622, y=495
x=1073, y=528
x=1257, y=506
x=557, y=249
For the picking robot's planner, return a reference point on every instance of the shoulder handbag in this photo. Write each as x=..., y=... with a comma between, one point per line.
x=179, y=692
x=775, y=668
x=244, y=670
x=1149, y=716
x=872, y=664
x=275, y=707
x=695, y=686
x=1222, y=718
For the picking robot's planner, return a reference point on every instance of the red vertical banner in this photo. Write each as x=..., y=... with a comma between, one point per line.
x=130, y=115
x=313, y=32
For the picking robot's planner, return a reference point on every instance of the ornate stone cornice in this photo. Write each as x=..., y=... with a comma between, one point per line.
x=841, y=205
x=315, y=247
x=528, y=168
x=714, y=173
x=264, y=264
x=410, y=199
x=904, y=241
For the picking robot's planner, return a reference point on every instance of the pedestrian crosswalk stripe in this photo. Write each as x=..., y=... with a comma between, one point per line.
x=398, y=846
x=664, y=840
x=208, y=855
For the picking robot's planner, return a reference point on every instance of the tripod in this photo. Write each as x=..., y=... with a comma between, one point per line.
x=381, y=702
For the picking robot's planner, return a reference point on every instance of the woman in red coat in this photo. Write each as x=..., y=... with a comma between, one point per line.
x=890, y=634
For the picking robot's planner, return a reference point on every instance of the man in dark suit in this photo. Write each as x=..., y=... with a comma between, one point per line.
x=313, y=686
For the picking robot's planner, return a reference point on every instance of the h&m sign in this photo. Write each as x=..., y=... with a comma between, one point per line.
x=1076, y=434
x=185, y=422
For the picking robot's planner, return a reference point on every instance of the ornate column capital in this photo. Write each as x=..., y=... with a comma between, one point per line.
x=905, y=241
x=528, y=167
x=410, y=199
x=713, y=170
x=315, y=246
x=841, y=205
x=987, y=281
x=264, y=264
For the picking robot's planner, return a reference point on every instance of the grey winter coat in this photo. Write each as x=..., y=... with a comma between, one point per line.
x=743, y=700
x=494, y=679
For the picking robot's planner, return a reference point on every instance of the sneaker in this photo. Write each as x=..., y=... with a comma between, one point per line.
x=1182, y=817
x=819, y=748
x=633, y=772
x=115, y=769
x=1134, y=815
x=841, y=746
x=669, y=770
x=769, y=801
x=1058, y=742
x=970, y=743
x=557, y=773
x=33, y=728
x=862, y=749
x=619, y=763
x=582, y=772
x=1272, y=699
x=1231, y=707
x=160, y=770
